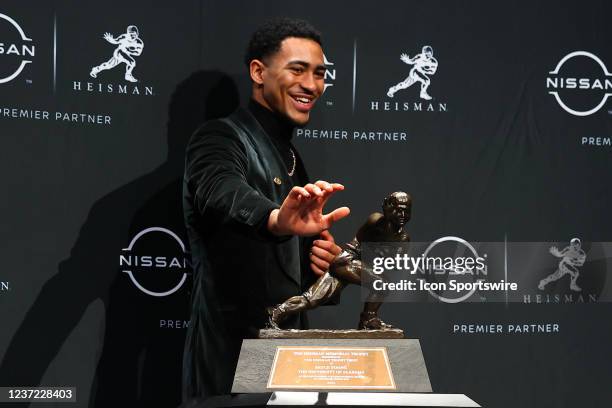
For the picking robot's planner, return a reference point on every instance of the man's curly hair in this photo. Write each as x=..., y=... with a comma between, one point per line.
x=266, y=40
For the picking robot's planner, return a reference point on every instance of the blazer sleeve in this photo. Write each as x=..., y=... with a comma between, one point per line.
x=216, y=172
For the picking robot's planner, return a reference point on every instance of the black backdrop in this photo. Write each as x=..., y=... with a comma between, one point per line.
x=493, y=156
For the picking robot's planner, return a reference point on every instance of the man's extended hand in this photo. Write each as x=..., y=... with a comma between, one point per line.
x=302, y=211
x=323, y=252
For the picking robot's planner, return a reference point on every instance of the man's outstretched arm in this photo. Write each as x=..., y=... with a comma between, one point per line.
x=216, y=174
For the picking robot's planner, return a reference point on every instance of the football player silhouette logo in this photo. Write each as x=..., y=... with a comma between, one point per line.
x=572, y=257
x=424, y=64
x=129, y=45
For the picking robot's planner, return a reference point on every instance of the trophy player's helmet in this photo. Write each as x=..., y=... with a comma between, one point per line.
x=427, y=50
x=575, y=242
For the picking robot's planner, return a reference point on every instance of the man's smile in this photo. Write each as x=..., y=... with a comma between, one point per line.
x=303, y=103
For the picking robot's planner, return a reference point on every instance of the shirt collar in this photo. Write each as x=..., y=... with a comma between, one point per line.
x=275, y=126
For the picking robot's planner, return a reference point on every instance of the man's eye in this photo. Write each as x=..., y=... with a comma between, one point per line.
x=297, y=70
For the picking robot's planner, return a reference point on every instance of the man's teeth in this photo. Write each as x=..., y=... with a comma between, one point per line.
x=302, y=100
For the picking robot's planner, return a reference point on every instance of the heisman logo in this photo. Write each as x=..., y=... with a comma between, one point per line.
x=129, y=45
x=572, y=257
x=25, y=51
x=424, y=64
x=557, y=81
x=149, y=240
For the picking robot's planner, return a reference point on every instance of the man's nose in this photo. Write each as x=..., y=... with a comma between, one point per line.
x=309, y=82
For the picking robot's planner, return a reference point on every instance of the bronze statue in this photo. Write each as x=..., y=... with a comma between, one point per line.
x=347, y=267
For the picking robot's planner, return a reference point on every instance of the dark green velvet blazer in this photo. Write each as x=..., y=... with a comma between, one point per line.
x=229, y=190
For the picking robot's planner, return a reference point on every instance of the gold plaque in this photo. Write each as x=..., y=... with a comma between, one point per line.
x=365, y=368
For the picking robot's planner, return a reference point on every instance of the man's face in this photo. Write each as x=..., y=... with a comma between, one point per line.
x=293, y=79
x=132, y=35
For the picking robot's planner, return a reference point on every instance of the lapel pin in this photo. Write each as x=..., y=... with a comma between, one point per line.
x=277, y=181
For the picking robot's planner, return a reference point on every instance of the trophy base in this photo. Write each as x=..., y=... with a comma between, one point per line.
x=333, y=399
x=260, y=370
x=360, y=399
x=331, y=334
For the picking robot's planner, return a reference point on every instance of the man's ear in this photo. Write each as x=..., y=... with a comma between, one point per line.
x=256, y=69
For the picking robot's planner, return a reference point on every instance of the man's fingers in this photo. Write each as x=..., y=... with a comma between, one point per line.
x=299, y=191
x=327, y=236
x=315, y=190
x=318, y=271
x=329, y=187
x=324, y=185
x=335, y=215
x=327, y=245
x=321, y=263
x=322, y=189
x=335, y=187
x=326, y=254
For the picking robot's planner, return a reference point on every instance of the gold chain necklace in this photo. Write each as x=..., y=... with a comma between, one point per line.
x=294, y=161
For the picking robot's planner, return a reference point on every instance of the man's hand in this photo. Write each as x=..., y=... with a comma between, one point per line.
x=405, y=58
x=323, y=252
x=302, y=211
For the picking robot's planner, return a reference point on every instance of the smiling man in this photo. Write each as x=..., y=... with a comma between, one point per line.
x=249, y=208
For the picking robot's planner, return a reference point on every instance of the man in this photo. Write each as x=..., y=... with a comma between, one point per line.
x=424, y=64
x=348, y=267
x=128, y=47
x=248, y=249
x=572, y=257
